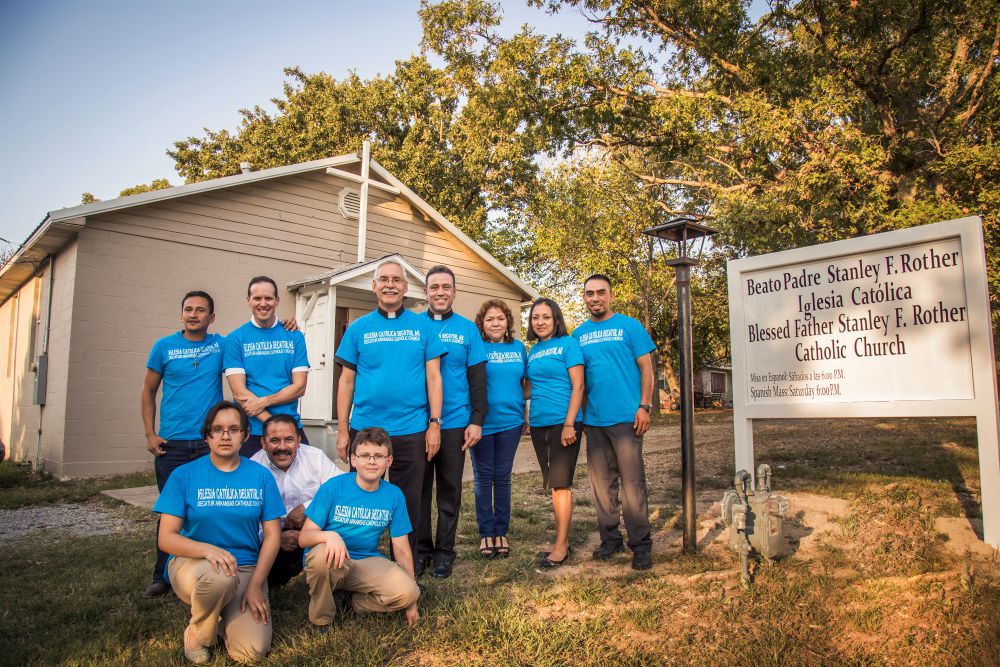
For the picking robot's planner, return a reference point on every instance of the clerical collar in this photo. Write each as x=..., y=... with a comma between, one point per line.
x=438, y=317
x=390, y=314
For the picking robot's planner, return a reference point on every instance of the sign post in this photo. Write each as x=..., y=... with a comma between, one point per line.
x=889, y=325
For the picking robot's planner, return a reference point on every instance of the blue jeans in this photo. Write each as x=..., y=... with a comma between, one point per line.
x=492, y=463
x=178, y=452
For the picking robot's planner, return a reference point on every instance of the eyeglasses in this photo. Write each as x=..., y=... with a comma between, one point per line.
x=390, y=280
x=233, y=431
x=373, y=458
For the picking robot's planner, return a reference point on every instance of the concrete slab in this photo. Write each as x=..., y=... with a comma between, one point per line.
x=140, y=496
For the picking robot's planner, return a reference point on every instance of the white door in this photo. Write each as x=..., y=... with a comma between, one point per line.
x=317, y=400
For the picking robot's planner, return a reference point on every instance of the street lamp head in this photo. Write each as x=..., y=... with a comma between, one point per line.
x=683, y=231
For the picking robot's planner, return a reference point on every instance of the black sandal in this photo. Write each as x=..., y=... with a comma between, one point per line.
x=487, y=550
x=502, y=550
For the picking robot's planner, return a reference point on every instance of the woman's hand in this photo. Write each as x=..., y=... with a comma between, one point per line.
x=568, y=435
x=256, y=600
x=221, y=560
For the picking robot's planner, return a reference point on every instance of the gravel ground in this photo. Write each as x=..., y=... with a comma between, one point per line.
x=76, y=519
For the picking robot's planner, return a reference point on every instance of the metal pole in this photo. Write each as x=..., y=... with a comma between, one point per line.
x=687, y=405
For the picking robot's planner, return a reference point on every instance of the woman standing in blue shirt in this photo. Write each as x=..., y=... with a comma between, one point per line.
x=212, y=511
x=555, y=385
x=493, y=455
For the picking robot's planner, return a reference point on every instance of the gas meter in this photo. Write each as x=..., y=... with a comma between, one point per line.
x=754, y=518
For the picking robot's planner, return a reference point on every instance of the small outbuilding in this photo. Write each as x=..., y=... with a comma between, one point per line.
x=86, y=295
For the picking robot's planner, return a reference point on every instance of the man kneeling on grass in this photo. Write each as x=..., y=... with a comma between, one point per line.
x=341, y=534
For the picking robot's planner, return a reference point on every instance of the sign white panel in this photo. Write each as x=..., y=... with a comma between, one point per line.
x=888, y=325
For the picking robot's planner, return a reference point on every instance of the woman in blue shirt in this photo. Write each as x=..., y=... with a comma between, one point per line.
x=212, y=511
x=493, y=455
x=555, y=385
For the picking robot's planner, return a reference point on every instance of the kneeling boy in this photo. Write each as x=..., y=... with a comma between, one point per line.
x=342, y=530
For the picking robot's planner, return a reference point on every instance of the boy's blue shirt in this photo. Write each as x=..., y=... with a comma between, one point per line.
x=359, y=516
x=268, y=357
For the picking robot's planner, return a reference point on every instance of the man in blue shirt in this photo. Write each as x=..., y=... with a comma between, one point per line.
x=343, y=526
x=266, y=366
x=463, y=377
x=188, y=364
x=391, y=377
x=619, y=380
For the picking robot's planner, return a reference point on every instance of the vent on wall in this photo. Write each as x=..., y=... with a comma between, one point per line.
x=350, y=203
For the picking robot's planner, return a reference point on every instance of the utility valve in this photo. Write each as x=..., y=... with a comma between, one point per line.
x=754, y=518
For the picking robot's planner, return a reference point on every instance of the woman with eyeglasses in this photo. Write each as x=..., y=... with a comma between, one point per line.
x=493, y=455
x=555, y=385
x=212, y=512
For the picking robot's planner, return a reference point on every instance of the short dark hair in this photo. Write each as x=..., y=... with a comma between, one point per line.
x=280, y=419
x=206, y=428
x=204, y=295
x=557, y=317
x=502, y=306
x=256, y=280
x=373, y=435
x=597, y=276
x=441, y=268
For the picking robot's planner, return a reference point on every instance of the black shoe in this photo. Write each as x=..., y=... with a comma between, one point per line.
x=156, y=589
x=420, y=565
x=607, y=550
x=642, y=560
x=441, y=570
x=547, y=563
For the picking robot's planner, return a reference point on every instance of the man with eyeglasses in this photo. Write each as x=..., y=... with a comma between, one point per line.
x=344, y=524
x=391, y=377
x=299, y=471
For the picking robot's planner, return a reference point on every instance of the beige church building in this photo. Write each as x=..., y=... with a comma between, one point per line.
x=87, y=294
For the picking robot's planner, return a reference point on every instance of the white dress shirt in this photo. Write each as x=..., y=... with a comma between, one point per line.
x=310, y=468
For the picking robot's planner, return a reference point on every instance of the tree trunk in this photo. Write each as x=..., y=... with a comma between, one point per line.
x=671, y=375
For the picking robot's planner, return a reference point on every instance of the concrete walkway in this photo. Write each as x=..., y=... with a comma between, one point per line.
x=660, y=438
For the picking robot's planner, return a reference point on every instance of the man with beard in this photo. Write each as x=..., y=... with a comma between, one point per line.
x=619, y=378
x=299, y=471
x=391, y=376
x=266, y=366
x=463, y=377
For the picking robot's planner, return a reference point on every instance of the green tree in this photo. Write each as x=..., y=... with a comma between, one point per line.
x=89, y=198
x=157, y=184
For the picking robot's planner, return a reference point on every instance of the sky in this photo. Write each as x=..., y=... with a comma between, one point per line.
x=93, y=94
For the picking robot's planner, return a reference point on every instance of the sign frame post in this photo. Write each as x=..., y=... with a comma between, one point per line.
x=982, y=405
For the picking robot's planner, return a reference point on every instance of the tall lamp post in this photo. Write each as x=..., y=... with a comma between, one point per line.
x=684, y=232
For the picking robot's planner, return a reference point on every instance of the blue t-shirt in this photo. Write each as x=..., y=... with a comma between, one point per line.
x=610, y=349
x=548, y=369
x=388, y=354
x=359, y=516
x=268, y=357
x=505, y=368
x=192, y=382
x=224, y=509
x=465, y=349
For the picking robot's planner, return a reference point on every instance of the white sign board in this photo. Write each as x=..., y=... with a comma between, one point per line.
x=893, y=324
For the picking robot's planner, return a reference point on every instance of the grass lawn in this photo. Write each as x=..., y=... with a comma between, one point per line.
x=861, y=599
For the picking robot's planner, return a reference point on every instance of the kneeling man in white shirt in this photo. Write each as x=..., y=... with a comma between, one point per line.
x=299, y=471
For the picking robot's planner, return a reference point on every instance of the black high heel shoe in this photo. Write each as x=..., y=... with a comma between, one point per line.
x=547, y=563
x=501, y=550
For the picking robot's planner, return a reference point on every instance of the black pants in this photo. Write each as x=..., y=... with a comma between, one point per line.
x=177, y=453
x=254, y=444
x=614, y=461
x=287, y=564
x=445, y=469
x=409, y=458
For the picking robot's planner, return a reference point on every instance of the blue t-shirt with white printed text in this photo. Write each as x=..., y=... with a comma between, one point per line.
x=610, y=349
x=191, y=375
x=360, y=516
x=505, y=368
x=549, y=362
x=268, y=357
x=389, y=355
x=465, y=349
x=224, y=509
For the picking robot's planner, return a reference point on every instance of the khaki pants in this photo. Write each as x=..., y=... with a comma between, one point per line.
x=214, y=597
x=377, y=584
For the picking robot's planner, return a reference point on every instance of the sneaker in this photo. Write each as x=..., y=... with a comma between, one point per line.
x=642, y=560
x=607, y=550
x=156, y=589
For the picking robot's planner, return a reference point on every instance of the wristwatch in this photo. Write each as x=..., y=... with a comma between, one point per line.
x=647, y=407
x=434, y=420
